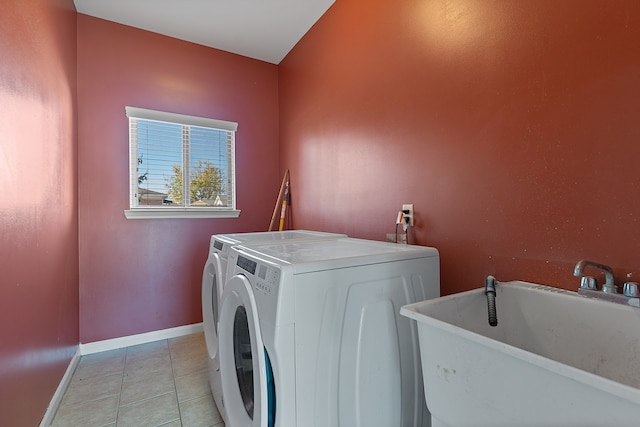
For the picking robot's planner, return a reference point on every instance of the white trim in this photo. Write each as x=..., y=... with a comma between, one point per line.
x=151, y=213
x=163, y=116
x=50, y=414
x=115, y=343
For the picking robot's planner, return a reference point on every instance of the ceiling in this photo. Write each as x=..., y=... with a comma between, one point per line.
x=262, y=29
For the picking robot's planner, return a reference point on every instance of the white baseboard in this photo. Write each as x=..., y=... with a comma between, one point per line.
x=115, y=343
x=59, y=394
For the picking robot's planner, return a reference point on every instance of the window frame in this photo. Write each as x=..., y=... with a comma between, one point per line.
x=151, y=212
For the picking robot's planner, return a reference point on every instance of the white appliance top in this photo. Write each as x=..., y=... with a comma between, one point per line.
x=275, y=236
x=306, y=256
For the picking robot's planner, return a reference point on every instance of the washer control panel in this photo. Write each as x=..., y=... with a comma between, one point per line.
x=266, y=278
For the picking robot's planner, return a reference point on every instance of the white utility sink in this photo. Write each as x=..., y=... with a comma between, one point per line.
x=555, y=358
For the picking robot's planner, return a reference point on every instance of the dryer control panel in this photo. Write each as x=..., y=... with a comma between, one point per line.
x=266, y=278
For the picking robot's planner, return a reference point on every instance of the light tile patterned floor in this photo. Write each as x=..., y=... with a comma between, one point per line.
x=162, y=383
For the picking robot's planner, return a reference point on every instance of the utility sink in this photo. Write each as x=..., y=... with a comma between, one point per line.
x=555, y=358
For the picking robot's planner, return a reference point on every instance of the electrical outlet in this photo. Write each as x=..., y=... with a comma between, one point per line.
x=408, y=207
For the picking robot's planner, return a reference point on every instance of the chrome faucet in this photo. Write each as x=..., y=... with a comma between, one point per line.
x=589, y=282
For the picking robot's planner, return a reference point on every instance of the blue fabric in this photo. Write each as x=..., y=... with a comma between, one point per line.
x=271, y=392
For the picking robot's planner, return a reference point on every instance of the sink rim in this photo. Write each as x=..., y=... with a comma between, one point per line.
x=584, y=377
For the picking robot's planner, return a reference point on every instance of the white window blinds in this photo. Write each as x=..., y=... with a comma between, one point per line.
x=180, y=162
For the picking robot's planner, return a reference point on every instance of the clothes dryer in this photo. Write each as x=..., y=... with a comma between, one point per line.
x=213, y=279
x=311, y=334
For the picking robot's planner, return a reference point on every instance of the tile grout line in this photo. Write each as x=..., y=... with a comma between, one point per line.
x=150, y=397
x=173, y=377
x=124, y=370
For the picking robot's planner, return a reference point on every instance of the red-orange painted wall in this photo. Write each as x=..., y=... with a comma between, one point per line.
x=38, y=205
x=513, y=126
x=145, y=275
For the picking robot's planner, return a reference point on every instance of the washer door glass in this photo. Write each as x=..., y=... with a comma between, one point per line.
x=243, y=358
x=214, y=300
x=211, y=291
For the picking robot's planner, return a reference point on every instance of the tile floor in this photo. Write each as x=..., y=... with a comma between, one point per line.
x=162, y=383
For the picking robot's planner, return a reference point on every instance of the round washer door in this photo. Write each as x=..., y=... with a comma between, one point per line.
x=212, y=288
x=242, y=356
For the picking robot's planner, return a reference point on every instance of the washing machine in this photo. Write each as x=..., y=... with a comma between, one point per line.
x=311, y=334
x=213, y=279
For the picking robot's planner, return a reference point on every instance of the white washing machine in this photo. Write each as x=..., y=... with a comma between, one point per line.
x=311, y=334
x=213, y=279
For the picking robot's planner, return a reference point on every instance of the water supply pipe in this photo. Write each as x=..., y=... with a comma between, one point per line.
x=490, y=291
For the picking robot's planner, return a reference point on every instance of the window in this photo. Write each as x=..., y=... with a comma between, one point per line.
x=180, y=166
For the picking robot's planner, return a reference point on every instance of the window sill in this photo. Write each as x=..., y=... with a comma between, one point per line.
x=165, y=213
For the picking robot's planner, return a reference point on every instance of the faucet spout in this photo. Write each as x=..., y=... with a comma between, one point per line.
x=589, y=282
x=578, y=271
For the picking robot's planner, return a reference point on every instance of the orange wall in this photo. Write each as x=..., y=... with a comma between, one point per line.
x=513, y=127
x=145, y=275
x=38, y=207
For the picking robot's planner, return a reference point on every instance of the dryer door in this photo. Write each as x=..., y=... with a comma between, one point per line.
x=212, y=277
x=242, y=357
x=212, y=284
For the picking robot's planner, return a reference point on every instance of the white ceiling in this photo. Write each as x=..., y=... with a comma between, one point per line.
x=262, y=29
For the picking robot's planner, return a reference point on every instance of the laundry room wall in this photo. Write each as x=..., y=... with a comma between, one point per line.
x=511, y=126
x=138, y=276
x=38, y=205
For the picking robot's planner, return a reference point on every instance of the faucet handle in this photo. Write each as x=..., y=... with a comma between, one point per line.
x=588, y=282
x=631, y=289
